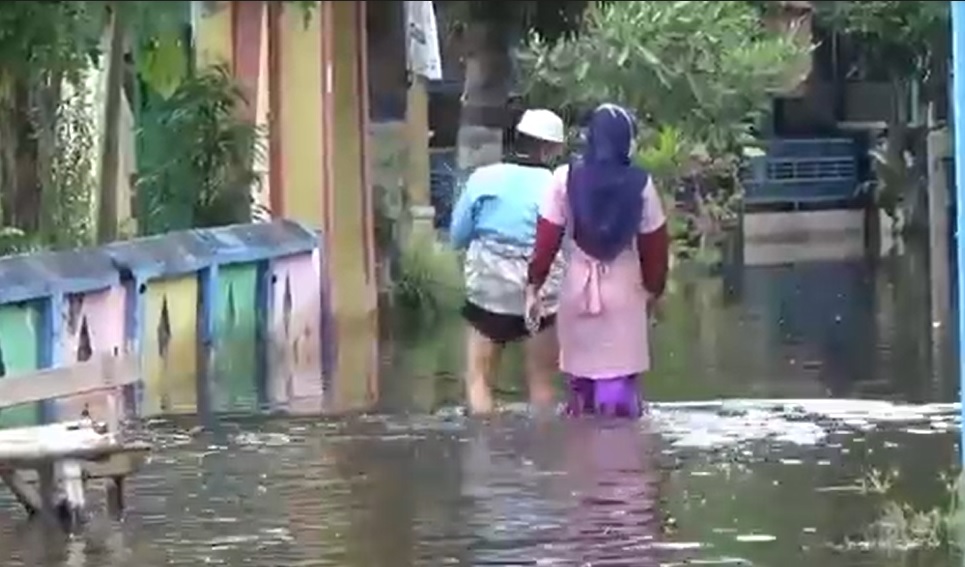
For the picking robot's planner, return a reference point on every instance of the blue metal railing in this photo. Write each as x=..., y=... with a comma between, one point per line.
x=802, y=171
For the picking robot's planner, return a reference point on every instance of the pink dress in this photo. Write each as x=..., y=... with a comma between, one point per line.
x=602, y=319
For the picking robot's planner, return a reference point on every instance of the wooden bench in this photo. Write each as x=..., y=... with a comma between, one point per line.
x=47, y=467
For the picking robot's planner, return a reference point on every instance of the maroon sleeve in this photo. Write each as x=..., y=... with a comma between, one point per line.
x=654, y=250
x=549, y=236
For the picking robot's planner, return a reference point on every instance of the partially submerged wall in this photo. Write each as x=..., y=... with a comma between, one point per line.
x=224, y=319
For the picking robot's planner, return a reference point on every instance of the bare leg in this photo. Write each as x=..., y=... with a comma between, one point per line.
x=542, y=362
x=482, y=360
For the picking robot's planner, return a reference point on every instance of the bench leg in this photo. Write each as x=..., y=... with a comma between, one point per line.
x=74, y=503
x=48, y=490
x=60, y=490
x=26, y=495
x=115, y=496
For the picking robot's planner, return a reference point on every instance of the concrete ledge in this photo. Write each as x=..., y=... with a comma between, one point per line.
x=805, y=236
x=761, y=253
x=801, y=225
x=189, y=251
x=31, y=276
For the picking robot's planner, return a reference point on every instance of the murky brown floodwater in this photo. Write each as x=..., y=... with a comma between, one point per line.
x=752, y=480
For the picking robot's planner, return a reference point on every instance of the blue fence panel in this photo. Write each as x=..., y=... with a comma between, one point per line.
x=810, y=148
x=802, y=171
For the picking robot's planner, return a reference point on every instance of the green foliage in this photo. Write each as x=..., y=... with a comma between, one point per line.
x=903, y=42
x=308, y=8
x=700, y=74
x=46, y=37
x=205, y=174
x=674, y=160
x=552, y=20
x=899, y=38
x=47, y=138
x=67, y=217
x=665, y=155
x=157, y=30
x=46, y=133
x=430, y=280
x=900, y=529
x=706, y=68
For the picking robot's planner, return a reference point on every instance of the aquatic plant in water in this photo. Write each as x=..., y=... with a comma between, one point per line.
x=904, y=531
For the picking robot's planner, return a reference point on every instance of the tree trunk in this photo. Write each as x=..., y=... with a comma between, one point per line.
x=107, y=201
x=47, y=103
x=20, y=195
x=485, y=96
x=8, y=165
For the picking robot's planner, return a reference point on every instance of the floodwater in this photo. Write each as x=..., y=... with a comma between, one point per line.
x=791, y=405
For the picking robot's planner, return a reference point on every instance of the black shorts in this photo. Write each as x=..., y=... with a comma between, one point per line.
x=499, y=327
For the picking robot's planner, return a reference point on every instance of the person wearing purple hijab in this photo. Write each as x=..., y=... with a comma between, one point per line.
x=605, y=214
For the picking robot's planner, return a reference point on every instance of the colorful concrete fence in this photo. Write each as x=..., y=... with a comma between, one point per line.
x=221, y=319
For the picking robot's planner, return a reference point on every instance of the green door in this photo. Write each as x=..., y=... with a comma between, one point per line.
x=19, y=352
x=236, y=319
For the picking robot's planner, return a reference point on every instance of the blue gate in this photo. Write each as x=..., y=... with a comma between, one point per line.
x=805, y=171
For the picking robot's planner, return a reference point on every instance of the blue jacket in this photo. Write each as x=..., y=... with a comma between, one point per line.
x=500, y=201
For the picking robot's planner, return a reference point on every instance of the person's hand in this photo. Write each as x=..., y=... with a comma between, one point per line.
x=534, y=310
x=654, y=309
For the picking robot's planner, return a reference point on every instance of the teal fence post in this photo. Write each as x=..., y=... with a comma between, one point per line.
x=958, y=106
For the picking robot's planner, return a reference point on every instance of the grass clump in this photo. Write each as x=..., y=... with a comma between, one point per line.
x=430, y=279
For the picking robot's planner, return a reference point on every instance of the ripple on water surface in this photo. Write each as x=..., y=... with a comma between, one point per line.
x=716, y=483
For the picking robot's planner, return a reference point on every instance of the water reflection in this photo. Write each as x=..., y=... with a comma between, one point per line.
x=391, y=491
x=563, y=493
x=402, y=478
x=295, y=386
x=848, y=328
x=356, y=387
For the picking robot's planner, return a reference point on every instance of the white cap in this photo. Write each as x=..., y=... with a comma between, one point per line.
x=542, y=124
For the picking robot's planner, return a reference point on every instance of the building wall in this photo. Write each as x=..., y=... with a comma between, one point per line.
x=307, y=80
x=300, y=103
x=352, y=262
x=813, y=113
x=212, y=35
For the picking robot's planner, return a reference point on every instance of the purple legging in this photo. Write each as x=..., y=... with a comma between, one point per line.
x=609, y=397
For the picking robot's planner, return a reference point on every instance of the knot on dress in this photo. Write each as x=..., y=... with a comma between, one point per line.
x=592, y=294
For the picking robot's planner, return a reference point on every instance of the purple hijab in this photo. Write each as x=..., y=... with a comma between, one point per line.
x=604, y=189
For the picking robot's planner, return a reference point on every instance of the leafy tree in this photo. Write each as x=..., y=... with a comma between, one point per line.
x=900, y=39
x=708, y=69
x=700, y=74
x=45, y=50
x=488, y=32
x=906, y=42
x=205, y=182
x=42, y=44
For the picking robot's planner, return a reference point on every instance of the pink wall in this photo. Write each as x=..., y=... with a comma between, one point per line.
x=91, y=324
x=295, y=361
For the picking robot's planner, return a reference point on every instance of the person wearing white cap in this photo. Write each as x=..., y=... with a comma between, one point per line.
x=494, y=220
